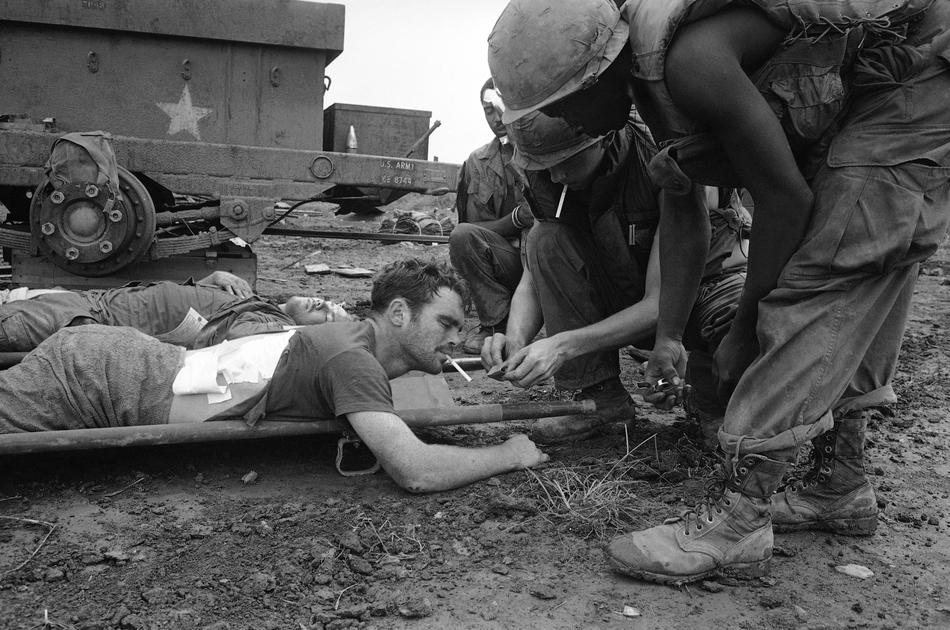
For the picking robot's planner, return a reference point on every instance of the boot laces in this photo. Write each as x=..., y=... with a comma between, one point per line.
x=803, y=479
x=716, y=493
x=818, y=469
x=714, y=498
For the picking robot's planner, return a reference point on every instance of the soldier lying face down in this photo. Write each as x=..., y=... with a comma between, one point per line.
x=98, y=376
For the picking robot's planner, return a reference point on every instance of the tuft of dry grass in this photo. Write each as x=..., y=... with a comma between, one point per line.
x=594, y=500
x=601, y=499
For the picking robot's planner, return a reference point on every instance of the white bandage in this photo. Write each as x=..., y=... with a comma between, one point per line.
x=493, y=97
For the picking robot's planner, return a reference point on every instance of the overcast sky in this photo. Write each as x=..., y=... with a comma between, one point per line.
x=419, y=54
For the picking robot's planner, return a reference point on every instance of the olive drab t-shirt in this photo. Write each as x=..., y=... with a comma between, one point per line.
x=328, y=371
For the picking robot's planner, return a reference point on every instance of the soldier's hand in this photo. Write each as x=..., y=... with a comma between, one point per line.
x=526, y=453
x=664, y=372
x=496, y=350
x=535, y=363
x=228, y=282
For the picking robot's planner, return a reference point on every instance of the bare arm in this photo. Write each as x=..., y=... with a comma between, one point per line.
x=685, y=234
x=420, y=467
x=721, y=50
x=525, y=318
x=626, y=326
x=543, y=358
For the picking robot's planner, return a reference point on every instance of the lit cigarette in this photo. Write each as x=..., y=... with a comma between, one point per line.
x=560, y=203
x=459, y=369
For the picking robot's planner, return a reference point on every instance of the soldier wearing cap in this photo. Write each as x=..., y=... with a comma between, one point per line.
x=833, y=115
x=484, y=246
x=592, y=273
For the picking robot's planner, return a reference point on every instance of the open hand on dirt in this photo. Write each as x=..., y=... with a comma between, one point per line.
x=526, y=452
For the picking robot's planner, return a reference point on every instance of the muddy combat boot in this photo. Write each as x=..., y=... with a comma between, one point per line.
x=728, y=534
x=834, y=495
x=613, y=405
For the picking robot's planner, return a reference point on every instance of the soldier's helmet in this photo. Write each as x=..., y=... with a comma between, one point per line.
x=542, y=142
x=540, y=51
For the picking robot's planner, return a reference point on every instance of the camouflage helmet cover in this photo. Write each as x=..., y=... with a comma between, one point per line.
x=542, y=142
x=543, y=50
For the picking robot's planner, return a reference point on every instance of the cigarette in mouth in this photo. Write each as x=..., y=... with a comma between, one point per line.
x=459, y=369
x=560, y=203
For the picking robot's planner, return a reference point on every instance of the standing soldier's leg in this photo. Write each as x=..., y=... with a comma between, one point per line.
x=835, y=494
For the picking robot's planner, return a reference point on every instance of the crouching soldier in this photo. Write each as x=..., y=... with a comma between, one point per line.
x=593, y=274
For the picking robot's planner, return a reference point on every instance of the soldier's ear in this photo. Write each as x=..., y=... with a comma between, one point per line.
x=398, y=312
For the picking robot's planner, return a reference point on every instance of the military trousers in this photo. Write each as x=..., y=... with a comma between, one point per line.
x=829, y=333
x=490, y=265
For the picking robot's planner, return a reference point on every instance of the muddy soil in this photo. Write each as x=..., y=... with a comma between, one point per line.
x=183, y=537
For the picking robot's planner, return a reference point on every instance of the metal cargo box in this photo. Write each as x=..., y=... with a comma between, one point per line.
x=379, y=130
x=215, y=109
x=216, y=71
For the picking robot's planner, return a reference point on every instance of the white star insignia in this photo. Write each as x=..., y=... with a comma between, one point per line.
x=184, y=116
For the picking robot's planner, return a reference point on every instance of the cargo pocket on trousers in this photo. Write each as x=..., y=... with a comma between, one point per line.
x=898, y=217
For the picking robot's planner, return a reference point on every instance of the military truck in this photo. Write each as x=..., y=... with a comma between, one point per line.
x=216, y=112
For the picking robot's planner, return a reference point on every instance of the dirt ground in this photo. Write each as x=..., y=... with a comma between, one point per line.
x=182, y=537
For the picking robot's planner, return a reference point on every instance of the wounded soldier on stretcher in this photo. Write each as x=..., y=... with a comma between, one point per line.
x=194, y=314
x=98, y=376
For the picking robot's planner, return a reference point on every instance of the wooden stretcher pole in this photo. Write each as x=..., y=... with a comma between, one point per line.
x=471, y=364
x=148, y=435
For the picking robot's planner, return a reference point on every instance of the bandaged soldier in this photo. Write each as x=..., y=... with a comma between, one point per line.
x=97, y=376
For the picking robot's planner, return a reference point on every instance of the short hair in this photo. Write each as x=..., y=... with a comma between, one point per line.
x=488, y=85
x=416, y=281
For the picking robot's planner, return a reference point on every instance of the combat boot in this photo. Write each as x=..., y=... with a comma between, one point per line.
x=834, y=495
x=614, y=404
x=728, y=534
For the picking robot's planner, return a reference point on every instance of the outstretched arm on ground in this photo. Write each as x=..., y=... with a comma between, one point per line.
x=540, y=360
x=420, y=467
